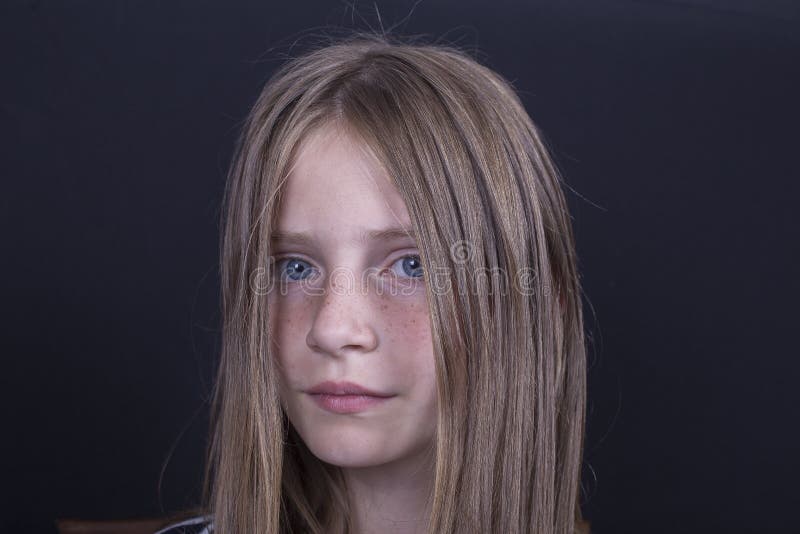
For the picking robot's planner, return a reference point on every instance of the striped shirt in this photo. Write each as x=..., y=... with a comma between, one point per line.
x=194, y=525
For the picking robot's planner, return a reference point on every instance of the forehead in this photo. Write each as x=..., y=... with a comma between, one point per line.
x=336, y=184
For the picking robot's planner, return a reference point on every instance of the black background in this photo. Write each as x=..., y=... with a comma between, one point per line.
x=675, y=124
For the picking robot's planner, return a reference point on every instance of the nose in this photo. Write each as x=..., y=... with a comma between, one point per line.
x=343, y=322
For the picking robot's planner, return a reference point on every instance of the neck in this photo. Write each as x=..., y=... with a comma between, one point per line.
x=391, y=498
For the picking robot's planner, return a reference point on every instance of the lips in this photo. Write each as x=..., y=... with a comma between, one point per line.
x=344, y=388
x=346, y=397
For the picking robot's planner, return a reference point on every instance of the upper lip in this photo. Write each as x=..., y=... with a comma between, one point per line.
x=343, y=388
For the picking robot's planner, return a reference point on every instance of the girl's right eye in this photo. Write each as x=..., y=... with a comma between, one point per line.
x=295, y=269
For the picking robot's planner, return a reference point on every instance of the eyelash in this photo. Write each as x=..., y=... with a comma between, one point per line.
x=279, y=261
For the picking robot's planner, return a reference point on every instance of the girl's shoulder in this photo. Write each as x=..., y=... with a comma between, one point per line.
x=192, y=525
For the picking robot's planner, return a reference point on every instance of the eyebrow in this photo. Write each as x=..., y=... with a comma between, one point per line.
x=386, y=234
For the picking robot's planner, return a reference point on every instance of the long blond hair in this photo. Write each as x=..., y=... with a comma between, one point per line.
x=484, y=197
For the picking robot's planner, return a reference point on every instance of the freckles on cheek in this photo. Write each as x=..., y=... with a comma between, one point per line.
x=405, y=317
x=408, y=332
x=290, y=318
x=288, y=314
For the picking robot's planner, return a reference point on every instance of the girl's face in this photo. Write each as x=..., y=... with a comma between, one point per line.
x=349, y=305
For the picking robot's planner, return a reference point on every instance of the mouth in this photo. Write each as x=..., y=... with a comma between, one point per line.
x=344, y=404
x=346, y=397
x=330, y=387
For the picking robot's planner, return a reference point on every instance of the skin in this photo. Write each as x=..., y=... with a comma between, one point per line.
x=338, y=325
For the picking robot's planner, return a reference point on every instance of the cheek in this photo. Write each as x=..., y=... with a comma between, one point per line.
x=410, y=344
x=407, y=337
x=289, y=320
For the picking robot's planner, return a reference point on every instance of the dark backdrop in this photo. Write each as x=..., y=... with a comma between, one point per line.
x=674, y=122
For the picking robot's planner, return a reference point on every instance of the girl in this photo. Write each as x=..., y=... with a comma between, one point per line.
x=403, y=345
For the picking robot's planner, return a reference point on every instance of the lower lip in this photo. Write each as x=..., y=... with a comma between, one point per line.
x=347, y=403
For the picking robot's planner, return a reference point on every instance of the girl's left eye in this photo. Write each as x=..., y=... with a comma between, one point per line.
x=409, y=266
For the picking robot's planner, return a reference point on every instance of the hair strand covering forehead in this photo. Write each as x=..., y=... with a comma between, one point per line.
x=504, y=297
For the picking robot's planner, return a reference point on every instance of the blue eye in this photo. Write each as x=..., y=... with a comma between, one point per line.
x=296, y=269
x=410, y=266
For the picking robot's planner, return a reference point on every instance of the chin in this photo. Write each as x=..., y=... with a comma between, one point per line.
x=348, y=448
x=350, y=459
